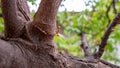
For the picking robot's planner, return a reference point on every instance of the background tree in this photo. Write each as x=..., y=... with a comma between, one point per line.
x=93, y=21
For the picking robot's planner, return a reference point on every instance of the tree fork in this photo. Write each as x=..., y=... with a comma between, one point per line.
x=44, y=22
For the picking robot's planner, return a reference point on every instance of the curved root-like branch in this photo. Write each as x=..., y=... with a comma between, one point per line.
x=106, y=35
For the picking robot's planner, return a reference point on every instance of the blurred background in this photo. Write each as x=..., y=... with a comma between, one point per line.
x=89, y=16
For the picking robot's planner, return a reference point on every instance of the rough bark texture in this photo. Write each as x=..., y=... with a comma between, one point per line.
x=16, y=14
x=29, y=44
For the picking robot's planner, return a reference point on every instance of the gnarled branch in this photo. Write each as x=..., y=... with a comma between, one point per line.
x=105, y=37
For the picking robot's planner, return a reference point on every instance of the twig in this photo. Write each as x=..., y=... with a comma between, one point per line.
x=107, y=13
x=105, y=37
x=114, y=8
x=112, y=4
x=1, y=15
x=85, y=45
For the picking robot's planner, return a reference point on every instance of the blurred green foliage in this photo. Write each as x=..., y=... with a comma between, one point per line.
x=1, y=22
x=93, y=22
x=32, y=1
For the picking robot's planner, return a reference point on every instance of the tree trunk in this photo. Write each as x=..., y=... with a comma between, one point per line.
x=29, y=43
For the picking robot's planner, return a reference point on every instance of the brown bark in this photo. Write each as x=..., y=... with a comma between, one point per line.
x=29, y=44
x=16, y=14
x=44, y=22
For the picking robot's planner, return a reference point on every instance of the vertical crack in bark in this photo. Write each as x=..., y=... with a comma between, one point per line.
x=25, y=12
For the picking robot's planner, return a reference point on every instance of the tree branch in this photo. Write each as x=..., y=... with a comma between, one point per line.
x=112, y=4
x=107, y=12
x=114, y=7
x=44, y=22
x=45, y=18
x=85, y=45
x=105, y=37
x=15, y=13
x=1, y=15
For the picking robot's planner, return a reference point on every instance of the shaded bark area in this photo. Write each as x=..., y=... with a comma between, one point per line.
x=18, y=53
x=29, y=44
x=16, y=14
